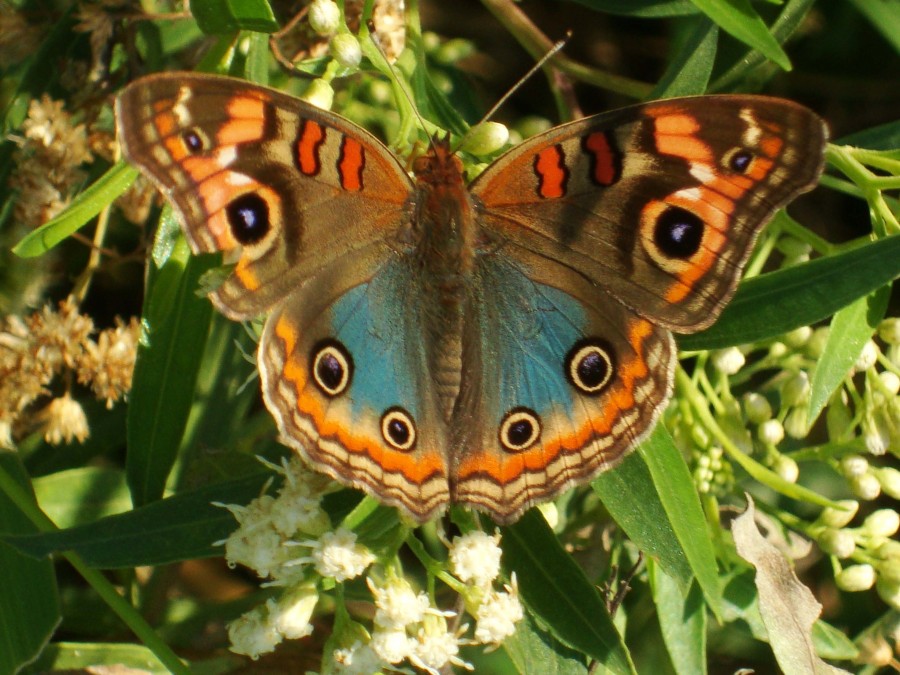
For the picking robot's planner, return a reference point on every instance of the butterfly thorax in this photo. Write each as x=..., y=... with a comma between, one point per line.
x=445, y=250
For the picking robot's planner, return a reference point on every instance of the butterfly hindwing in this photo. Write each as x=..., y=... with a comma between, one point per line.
x=559, y=382
x=261, y=176
x=345, y=373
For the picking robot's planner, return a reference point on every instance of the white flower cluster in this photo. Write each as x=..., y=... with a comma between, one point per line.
x=408, y=628
x=269, y=530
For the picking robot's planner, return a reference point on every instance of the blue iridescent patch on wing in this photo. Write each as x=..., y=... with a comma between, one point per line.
x=528, y=330
x=373, y=322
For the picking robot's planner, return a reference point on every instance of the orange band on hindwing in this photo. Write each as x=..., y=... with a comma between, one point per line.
x=416, y=468
x=504, y=468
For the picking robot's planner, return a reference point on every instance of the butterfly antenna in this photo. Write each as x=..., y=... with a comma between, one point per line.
x=557, y=46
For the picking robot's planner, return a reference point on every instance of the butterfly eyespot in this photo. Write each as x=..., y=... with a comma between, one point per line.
x=739, y=160
x=248, y=217
x=398, y=429
x=678, y=233
x=332, y=368
x=520, y=429
x=193, y=141
x=590, y=366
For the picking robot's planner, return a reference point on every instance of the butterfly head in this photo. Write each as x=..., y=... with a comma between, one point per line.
x=440, y=166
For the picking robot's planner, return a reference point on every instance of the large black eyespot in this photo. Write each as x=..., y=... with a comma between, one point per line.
x=248, y=216
x=193, y=141
x=590, y=366
x=739, y=160
x=398, y=429
x=678, y=232
x=520, y=429
x=332, y=367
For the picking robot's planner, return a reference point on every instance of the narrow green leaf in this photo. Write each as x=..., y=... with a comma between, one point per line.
x=222, y=17
x=534, y=650
x=99, y=657
x=183, y=527
x=642, y=8
x=738, y=18
x=776, y=303
x=851, y=328
x=82, y=495
x=165, y=373
x=884, y=17
x=631, y=498
x=555, y=589
x=84, y=207
x=652, y=497
x=682, y=620
x=881, y=137
x=689, y=71
x=792, y=17
x=29, y=603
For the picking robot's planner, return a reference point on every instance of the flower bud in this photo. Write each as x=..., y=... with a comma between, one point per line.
x=757, y=408
x=485, y=139
x=815, y=347
x=324, y=16
x=320, y=94
x=889, y=477
x=889, y=591
x=777, y=349
x=787, y=468
x=798, y=337
x=795, y=390
x=867, y=357
x=854, y=465
x=728, y=361
x=890, y=381
x=795, y=423
x=881, y=523
x=839, y=543
x=838, y=518
x=865, y=486
x=889, y=331
x=345, y=50
x=771, y=431
x=856, y=578
x=839, y=419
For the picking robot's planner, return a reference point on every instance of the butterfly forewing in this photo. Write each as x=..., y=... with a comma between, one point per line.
x=659, y=204
x=283, y=188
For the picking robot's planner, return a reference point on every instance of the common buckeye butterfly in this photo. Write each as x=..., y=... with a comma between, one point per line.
x=488, y=345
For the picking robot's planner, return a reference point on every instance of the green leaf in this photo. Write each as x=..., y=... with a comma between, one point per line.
x=851, y=328
x=642, y=8
x=99, y=657
x=776, y=303
x=884, y=17
x=82, y=495
x=652, y=498
x=881, y=137
x=84, y=207
x=682, y=620
x=738, y=18
x=533, y=650
x=183, y=527
x=555, y=589
x=222, y=17
x=689, y=71
x=165, y=373
x=29, y=603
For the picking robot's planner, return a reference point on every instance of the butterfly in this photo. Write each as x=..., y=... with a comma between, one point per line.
x=490, y=344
